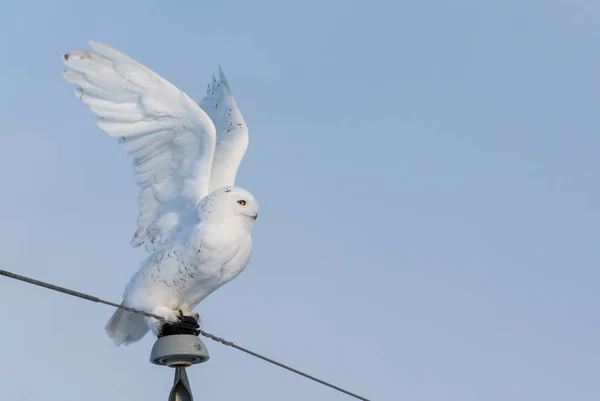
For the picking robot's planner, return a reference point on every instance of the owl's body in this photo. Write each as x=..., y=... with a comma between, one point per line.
x=194, y=223
x=184, y=277
x=178, y=277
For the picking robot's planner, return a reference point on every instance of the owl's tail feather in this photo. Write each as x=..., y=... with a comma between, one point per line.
x=126, y=327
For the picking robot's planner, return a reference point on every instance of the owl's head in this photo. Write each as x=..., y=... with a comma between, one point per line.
x=229, y=203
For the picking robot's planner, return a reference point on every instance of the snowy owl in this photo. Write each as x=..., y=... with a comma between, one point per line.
x=194, y=223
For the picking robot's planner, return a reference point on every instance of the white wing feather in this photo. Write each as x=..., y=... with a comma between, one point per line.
x=171, y=139
x=232, y=132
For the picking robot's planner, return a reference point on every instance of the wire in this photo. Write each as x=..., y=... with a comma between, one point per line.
x=147, y=314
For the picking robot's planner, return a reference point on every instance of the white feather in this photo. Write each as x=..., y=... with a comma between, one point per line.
x=232, y=132
x=185, y=160
x=170, y=137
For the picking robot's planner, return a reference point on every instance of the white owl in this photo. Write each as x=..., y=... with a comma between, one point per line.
x=194, y=223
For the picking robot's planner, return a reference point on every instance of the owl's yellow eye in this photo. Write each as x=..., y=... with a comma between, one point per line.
x=242, y=202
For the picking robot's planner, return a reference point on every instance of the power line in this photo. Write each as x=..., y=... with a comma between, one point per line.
x=147, y=314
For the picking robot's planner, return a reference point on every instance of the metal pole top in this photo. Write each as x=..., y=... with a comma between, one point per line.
x=179, y=350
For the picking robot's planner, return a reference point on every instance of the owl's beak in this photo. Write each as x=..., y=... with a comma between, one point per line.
x=255, y=216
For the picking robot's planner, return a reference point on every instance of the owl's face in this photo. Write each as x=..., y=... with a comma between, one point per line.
x=242, y=202
x=227, y=203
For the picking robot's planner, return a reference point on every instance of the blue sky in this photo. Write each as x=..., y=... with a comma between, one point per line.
x=427, y=175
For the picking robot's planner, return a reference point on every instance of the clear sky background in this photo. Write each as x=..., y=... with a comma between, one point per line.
x=428, y=180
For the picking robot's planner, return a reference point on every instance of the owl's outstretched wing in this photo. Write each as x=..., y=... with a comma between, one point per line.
x=172, y=140
x=232, y=132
